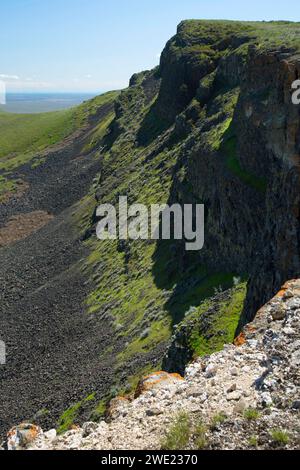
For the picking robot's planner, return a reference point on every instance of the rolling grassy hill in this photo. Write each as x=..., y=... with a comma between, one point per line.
x=25, y=136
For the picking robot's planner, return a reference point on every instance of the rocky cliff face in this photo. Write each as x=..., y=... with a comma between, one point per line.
x=241, y=160
x=241, y=155
x=272, y=123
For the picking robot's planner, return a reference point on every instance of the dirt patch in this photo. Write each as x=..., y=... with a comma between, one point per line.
x=8, y=195
x=20, y=226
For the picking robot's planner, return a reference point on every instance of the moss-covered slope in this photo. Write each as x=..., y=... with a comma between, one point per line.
x=176, y=138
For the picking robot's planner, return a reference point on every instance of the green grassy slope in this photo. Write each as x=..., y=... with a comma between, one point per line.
x=141, y=285
x=266, y=34
x=24, y=136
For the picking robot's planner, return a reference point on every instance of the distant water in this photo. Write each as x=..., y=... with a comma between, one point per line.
x=42, y=102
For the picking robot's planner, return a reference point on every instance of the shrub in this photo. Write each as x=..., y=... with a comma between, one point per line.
x=251, y=414
x=280, y=437
x=200, y=436
x=178, y=435
x=217, y=419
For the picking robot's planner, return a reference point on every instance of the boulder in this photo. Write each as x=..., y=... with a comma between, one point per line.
x=240, y=406
x=211, y=370
x=296, y=405
x=88, y=429
x=116, y=406
x=50, y=435
x=155, y=411
x=278, y=311
x=19, y=437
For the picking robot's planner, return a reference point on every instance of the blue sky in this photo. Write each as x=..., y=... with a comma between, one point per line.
x=96, y=45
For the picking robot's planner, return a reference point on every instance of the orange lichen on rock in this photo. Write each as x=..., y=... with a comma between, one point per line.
x=240, y=340
x=21, y=436
x=275, y=309
x=156, y=380
x=114, y=406
x=292, y=285
x=281, y=292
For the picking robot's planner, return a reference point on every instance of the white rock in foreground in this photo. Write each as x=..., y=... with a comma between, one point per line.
x=261, y=371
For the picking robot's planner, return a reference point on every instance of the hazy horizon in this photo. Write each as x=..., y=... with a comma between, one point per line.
x=41, y=102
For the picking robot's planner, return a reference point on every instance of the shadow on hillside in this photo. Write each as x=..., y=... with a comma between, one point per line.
x=152, y=126
x=171, y=272
x=188, y=281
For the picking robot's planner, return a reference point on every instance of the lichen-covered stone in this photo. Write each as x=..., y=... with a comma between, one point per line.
x=156, y=380
x=20, y=437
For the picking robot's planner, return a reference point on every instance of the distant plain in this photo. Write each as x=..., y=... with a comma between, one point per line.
x=43, y=102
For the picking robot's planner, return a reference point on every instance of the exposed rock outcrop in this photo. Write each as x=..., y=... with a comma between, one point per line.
x=249, y=179
x=245, y=396
x=155, y=381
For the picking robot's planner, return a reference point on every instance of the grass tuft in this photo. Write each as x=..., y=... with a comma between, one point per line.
x=253, y=441
x=251, y=414
x=177, y=438
x=280, y=437
x=217, y=420
x=199, y=434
